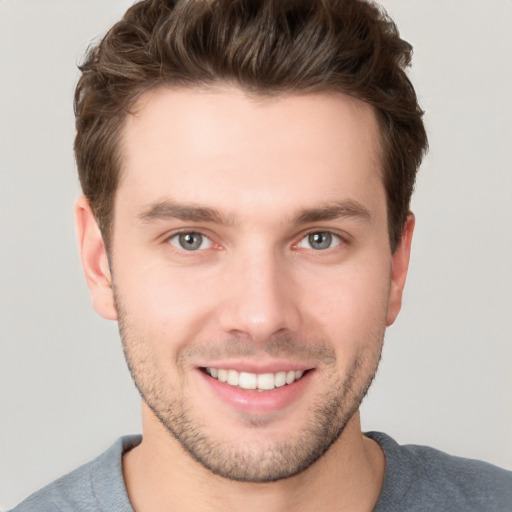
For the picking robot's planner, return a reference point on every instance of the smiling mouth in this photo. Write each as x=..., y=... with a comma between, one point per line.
x=255, y=381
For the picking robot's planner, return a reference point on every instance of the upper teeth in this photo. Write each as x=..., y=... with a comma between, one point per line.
x=263, y=381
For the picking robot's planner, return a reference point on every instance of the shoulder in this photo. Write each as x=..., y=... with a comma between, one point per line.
x=422, y=478
x=95, y=486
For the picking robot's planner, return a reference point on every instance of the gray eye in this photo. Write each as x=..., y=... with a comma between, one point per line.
x=320, y=240
x=190, y=241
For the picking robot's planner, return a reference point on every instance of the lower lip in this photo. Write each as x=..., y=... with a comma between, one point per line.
x=258, y=402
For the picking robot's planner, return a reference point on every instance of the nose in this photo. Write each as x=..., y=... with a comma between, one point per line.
x=260, y=298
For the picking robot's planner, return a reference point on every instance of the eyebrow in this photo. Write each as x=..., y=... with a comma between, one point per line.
x=167, y=209
x=333, y=211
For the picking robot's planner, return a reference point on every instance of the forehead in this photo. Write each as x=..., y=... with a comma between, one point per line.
x=224, y=146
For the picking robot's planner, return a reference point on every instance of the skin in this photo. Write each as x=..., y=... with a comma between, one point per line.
x=256, y=294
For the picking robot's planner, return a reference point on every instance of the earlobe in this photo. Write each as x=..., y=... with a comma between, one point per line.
x=93, y=255
x=399, y=268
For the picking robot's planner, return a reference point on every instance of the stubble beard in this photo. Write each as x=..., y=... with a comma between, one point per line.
x=263, y=461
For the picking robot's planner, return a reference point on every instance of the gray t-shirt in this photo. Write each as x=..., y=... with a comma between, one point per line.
x=417, y=479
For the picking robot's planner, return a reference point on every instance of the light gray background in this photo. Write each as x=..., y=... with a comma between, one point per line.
x=445, y=378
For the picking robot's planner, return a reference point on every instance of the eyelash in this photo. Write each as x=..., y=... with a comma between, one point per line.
x=332, y=238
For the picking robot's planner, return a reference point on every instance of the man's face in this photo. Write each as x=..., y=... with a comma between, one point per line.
x=250, y=244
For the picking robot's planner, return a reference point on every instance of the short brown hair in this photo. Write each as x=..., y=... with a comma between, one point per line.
x=264, y=47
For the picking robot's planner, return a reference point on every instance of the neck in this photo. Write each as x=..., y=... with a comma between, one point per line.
x=159, y=475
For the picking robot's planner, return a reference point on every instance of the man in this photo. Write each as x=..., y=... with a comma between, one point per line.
x=247, y=170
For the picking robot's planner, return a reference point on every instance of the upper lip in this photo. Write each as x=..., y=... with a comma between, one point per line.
x=257, y=367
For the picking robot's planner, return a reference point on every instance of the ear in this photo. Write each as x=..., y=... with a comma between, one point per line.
x=93, y=255
x=399, y=268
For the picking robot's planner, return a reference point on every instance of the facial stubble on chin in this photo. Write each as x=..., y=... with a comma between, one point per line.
x=261, y=461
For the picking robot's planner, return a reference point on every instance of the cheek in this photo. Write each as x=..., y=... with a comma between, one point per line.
x=167, y=301
x=350, y=305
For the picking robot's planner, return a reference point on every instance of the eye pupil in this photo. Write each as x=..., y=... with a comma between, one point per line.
x=320, y=241
x=190, y=241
